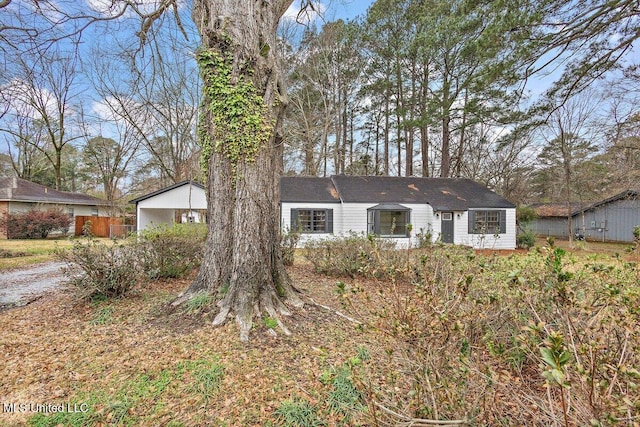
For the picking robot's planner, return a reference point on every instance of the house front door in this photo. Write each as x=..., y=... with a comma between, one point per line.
x=446, y=227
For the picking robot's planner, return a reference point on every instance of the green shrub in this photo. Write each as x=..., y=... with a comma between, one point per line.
x=36, y=223
x=525, y=214
x=199, y=302
x=344, y=399
x=94, y=268
x=425, y=237
x=526, y=239
x=171, y=252
x=297, y=413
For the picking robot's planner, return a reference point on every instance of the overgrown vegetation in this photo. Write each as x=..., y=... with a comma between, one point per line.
x=538, y=339
x=171, y=252
x=446, y=333
x=95, y=268
x=526, y=239
x=36, y=223
x=237, y=111
x=288, y=243
x=98, y=269
x=355, y=254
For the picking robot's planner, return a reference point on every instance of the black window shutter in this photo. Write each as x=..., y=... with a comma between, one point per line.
x=329, y=224
x=294, y=220
x=472, y=222
x=503, y=221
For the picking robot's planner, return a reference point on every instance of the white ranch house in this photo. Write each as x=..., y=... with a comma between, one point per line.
x=458, y=211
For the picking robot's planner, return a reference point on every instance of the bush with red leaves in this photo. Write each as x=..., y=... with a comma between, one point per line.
x=35, y=224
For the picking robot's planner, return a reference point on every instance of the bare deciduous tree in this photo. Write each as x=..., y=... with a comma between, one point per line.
x=44, y=110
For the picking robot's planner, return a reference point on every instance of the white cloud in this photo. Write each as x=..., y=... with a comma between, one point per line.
x=307, y=16
x=28, y=101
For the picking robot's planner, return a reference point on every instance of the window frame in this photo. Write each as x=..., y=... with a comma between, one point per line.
x=487, y=221
x=327, y=220
x=374, y=221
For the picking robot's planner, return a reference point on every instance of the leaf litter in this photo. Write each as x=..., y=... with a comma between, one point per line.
x=129, y=358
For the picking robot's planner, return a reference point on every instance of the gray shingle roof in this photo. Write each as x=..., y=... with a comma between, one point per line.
x=20, y=190
x=306, y=189
x=441, y=193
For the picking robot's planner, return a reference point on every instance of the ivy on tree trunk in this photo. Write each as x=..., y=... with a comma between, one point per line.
x=241, y=113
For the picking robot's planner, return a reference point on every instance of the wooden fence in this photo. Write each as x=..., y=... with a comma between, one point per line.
x=100, y=225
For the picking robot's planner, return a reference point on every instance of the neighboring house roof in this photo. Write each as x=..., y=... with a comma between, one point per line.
x=454, y=194
x=307, y=189
x=164, y=190
x=20, y=190
x=627, y=194
x=545, y=210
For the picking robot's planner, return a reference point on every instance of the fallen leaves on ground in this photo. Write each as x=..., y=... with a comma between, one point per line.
x=130, y=354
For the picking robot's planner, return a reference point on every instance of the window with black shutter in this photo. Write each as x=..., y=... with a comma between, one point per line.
x=487, y=222
x=312, y=220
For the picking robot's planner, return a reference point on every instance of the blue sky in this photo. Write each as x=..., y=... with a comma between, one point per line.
x=348, y=9
x=338, y=9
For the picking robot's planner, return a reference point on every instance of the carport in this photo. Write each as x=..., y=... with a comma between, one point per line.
x=160, y=206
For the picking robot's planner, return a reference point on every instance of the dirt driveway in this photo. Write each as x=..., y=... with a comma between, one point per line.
x=19, y=287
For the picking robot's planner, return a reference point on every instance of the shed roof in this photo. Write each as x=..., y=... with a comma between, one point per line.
x=554, y=209
x=15, y=189
x=626, y=194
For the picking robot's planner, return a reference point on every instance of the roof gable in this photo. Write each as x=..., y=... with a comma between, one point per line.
x=166, y=189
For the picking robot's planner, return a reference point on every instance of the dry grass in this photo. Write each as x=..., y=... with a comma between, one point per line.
x=22, y=253
x=57, y=350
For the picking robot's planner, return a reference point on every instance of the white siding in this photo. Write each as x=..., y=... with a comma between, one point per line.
x=352, y=217
x=78, y=210
x=485, y=241
x=160, y=208
x=285, y=218
x=147, y=218
x=183, y=197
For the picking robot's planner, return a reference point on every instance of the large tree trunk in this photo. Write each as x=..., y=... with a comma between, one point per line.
x=242, y=256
